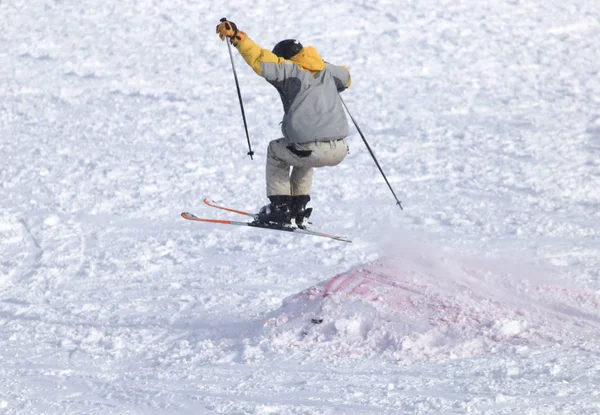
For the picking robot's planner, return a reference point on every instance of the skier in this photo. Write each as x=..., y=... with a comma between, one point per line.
x=314, y=124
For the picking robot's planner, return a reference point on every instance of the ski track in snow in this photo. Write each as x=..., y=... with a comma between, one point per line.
x=117, y=116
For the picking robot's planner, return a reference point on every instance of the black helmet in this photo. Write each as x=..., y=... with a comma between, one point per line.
x=287, y=49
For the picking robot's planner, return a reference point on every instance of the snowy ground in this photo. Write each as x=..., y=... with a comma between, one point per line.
x=481, y=297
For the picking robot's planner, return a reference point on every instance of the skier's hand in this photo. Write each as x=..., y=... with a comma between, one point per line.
x=227, y=29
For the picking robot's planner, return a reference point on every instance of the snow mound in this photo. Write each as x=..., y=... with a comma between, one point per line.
x=416, y=307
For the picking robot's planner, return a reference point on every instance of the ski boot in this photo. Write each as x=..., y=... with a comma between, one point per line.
x=299, y=212
x=277, y=212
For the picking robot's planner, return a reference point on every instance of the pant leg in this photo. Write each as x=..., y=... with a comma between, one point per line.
x=301, y=180
x=324, y=153
x=278, y=170
x=280, y=159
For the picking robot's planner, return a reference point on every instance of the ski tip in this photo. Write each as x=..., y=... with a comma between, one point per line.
x=338, y=238
x=187, y=215
x=341, y=239
x=325, y=235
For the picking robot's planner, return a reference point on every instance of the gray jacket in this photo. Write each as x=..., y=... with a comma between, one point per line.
x=308, y=88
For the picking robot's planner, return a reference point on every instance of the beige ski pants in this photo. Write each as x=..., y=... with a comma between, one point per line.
x=280, y=159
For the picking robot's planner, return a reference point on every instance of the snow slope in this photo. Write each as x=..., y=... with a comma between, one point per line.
x=482, y=296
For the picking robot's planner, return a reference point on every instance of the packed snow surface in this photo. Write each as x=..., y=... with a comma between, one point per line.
x=482, y=296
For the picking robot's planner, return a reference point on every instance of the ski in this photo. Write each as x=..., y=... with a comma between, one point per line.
x=191, y=216
x=214, y=205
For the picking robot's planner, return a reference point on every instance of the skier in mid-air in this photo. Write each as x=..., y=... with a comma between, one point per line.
x=314, y=124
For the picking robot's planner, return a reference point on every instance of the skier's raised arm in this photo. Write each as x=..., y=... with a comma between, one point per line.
x=264, y=62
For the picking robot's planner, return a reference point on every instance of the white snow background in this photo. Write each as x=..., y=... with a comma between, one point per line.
x=481, y=297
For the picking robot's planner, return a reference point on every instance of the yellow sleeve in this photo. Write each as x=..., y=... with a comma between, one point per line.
x=254, y=55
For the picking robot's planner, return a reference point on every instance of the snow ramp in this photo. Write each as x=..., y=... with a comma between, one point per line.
x=415, y=306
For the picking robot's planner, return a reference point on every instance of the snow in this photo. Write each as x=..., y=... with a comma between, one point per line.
x=481, y=297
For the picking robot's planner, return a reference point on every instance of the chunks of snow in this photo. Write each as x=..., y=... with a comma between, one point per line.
x=51, y=221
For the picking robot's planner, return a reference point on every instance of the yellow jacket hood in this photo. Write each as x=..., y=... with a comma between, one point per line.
x=308, y=58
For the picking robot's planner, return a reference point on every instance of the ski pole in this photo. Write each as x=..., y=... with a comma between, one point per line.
x=237, y=84
x=372, y=154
